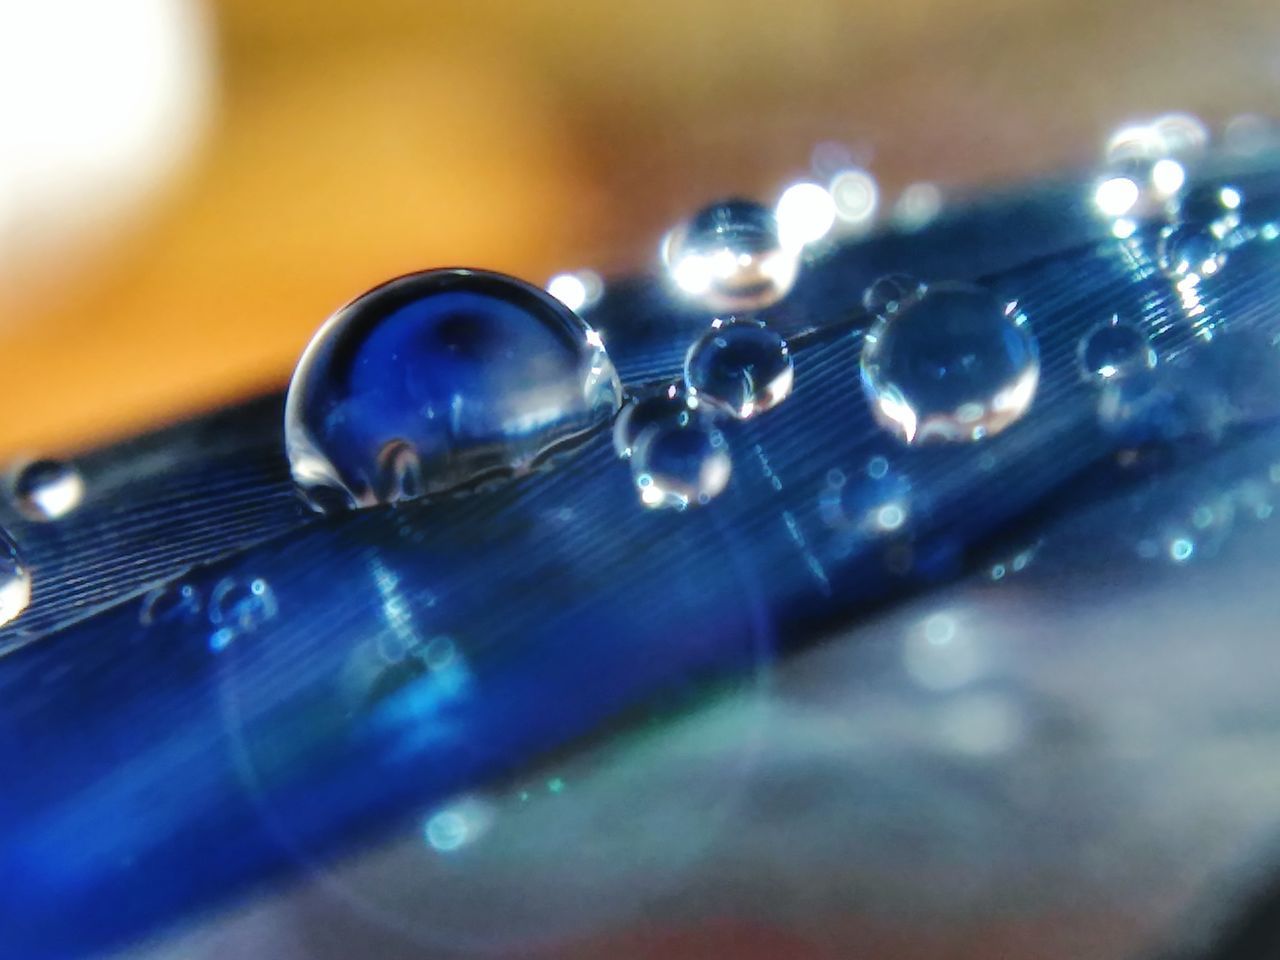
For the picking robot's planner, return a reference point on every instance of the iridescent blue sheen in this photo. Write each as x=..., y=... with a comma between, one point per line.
x=439, y=382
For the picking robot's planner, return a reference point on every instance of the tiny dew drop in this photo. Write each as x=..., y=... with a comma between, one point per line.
x=889, y=293
x=668, y=405
x=1115, y=350
x=46, y=490
x=15, y=581
x=740, y=368
x=238, y=607
x=958, y=364
x=680, y=464
x=730, y=256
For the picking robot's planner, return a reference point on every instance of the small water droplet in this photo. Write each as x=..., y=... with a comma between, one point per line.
x=958, y=364
x=730, y=256
x=1190, y=249
x=238, y=607
x=15, y=581
x=889, y=293
x=169, y=603
x=741, y=368
x=47, y=489
x=442, y=382
x=870, y=502
x=1114, y=351
x=668, y=405
x=1217, y=206
x=679, y=465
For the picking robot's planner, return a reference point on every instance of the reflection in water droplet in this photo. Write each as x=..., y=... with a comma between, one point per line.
x=741, y=368
x=441, y=382
x=680, y=464
x=669, y=406
x=1115, y=351
x=888, y=294
x=238, y=607
x=873, y=502
x=956, y=365
x=457, y=825
x=1190, y=250
x=15, y=581
x=1214, y=205
x=169, y=603
x=47, y=489
x=730, y=257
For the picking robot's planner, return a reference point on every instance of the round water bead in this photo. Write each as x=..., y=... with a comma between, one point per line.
x=730, y=257
x=889, y=293
x=1115, y=351
x=740, y=367
x=667, y=406
x=440, y=382
x=1190, y=249
x=680, y=463
x=1217, y=206
x=15, y=581
x=47, y=489
x=957, y=364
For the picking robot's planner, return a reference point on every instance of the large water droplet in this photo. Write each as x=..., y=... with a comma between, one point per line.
x=957, y=364
x=440, y=382
x=1114, y=351
x=730, y=257
x=889, y=293
x=680, y=463
x=15, y=581
x=47, y=489
x=667, y=406
x=741, y=368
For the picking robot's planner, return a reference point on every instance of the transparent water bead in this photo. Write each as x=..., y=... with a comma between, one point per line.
x=238, y=607
x=666, y=406
x=15, y=581
x=47, y=489
x=1190, y=250
x=730, y=256
x=871, y=502
x=441, y=382
x=889, y=293
x=681, y=463
x=740, y=367
x=1115, y=350
x=958, y=364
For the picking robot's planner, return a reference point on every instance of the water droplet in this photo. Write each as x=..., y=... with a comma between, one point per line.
x=1190, y=249
x=871, y=502
x=730, y=257
x=680, y=464
x=1214, y=205
x=1115, y=351
x=238, y=607
x=741, y=368
x=958, y=364
x=888, y=294
x=47, y=489
x=668, y=406
x=15, y=581
x=442, y=382
x=169, y=603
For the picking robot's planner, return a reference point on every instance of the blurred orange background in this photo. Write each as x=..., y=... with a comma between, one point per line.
x=187, y=189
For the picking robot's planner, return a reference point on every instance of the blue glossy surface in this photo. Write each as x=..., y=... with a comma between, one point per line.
x=149, y=773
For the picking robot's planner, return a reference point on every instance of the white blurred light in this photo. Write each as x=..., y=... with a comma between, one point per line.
x=578, y=290
x=692, y=274
x=805, y=213
x=917, y=205
x=1115, y=196
x=856, y=196
x=103, y=103
x=1168, y=176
